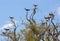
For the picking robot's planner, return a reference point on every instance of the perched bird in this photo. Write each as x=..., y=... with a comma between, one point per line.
x=27, y=9
x=47, y=17
x=6, y=29
x=7, y=26
x=51, y=15
x=11, y=17
x=34, y=10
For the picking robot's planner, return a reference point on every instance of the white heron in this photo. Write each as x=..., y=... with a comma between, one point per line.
x=9, y=25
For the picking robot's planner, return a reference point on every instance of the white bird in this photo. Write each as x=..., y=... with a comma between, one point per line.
x=7, y=26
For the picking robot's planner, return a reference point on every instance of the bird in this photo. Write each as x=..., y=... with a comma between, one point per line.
x=51, y=15
x=47, y=17
x=6, y=29
x=34, y=10
x=7, y=26
x=11, y=17
x=27, y=9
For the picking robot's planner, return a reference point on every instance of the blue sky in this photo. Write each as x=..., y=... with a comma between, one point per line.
x=15, y=8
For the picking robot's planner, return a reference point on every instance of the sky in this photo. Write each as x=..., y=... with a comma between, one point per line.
x=16, y=9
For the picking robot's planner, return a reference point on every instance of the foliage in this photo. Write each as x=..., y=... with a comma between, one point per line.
x=34, y=31
x=45, y=30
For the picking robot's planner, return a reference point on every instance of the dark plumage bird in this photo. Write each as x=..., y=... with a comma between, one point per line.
x=34, y=10
x=47, y=17
x=11, y=17
x=35, y=5
x=27, y=9
x=6, y=29
x=51, y=14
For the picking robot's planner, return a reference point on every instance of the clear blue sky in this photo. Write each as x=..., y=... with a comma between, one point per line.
x=16, y=8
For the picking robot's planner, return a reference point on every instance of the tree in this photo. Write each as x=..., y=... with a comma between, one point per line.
x=42, y=31
x=46, y=30
x=11, y=32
